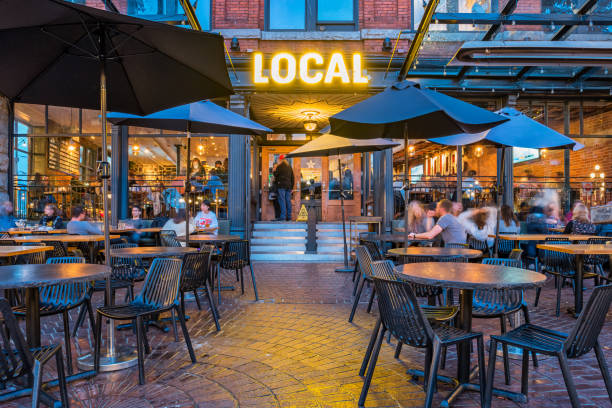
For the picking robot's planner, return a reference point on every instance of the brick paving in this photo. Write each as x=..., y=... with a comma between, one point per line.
x=295, y=348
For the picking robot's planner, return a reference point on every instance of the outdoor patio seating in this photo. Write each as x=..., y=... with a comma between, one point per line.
x=21, y=366
x=582, y=339
x=168, y=238
x=59, y=299
x=196, y=275
x=236, y=255
x=401, y=315
x=160, y=293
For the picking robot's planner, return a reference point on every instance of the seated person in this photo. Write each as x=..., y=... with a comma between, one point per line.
x=206, y=220
x=51, y=219
x=178, y=223
x=78, y=226
x=7, y=221
x=451, y=230
x=135, y=222
x=580, y=223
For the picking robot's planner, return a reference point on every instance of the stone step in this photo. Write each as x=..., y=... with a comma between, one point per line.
x=295, y=257
x=277, y=240
x=279, y=233
x=279, y=225
x=277, y=248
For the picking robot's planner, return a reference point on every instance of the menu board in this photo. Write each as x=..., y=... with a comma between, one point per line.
x=601, y=214
x=61, y=158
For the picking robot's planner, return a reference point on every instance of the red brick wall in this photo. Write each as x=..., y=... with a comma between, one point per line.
x=238, y=13
x=385, y=13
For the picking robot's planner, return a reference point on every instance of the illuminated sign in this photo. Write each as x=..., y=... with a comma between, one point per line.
x=310, y=68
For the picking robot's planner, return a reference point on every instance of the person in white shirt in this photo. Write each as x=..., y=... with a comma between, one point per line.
x=177, y=224
x=480, y=223
x=206, y=220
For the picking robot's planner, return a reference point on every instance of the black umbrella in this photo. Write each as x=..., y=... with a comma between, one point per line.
x=59, y=53
x=407, y=111
x=197, y=117
x=330, y=145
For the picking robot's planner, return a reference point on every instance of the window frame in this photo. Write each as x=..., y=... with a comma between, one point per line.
x=312, y=24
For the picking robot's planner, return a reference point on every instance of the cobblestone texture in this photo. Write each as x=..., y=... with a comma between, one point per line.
x=295, y=348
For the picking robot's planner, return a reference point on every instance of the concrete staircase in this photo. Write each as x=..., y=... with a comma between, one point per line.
x=286, y=241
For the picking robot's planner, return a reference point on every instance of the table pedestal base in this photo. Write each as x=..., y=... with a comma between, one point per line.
x=123, y=357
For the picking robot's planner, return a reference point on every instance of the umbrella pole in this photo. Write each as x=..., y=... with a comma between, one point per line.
x=187, y=186
x=113, y=360
x=346, y=265
x=500, y=187
x=406, y=185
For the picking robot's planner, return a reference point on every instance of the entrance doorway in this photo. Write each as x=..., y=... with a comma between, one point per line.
x=317, y=179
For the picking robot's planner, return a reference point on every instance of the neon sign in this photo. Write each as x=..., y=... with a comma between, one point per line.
x=310, y=69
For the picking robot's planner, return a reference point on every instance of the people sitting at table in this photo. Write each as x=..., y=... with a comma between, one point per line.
x=509, y=224
x=135, y=222
x=51, y=218
x=177, y=224
x=77, y=224
x=580, y=223
x=417, y=219
x=447, y=226
x=480, y=223
x=206, y=220
x=7, y=221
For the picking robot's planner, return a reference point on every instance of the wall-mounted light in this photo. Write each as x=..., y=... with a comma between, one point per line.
x=478, y=151
x=135, y=149
x=235, y=44
x=386, y=46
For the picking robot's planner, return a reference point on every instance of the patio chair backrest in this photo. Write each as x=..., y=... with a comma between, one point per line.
x=477, y=244
x=161, y=285
x=455, y=245
x=7, y=242
x=400, y=312
x=596, y=259
x=502, y=261
x=421, y=290
x=15, y=357
x=499, y=299
x=168, y=238
x=236, y=254
x=364, y=260
x=131, y=262
x=64, y=294
x=59, y=249
x=36, y=257
x=383, y=270
x=505, y=247
x=375, y=250
x=195, y=268
x=590, y=322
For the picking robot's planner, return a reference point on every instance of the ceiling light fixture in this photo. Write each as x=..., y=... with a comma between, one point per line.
x=310, y=124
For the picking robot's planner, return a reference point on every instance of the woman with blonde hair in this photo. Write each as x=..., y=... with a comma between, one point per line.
x=417, y=219
x=580, y=223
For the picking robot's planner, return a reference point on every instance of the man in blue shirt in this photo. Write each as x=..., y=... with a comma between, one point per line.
x=78, y=226
x=7, y=221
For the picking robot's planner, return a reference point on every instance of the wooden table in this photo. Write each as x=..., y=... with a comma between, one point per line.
x=517, y=238
x=33, y=231
x=211, y=239
x=395, y=238
x=6, y=251
x=435, y=252
x=579, y=250
x=557, y=229
x=150, y=252
x=33, y=277
x=67, y=238
x=467, y=277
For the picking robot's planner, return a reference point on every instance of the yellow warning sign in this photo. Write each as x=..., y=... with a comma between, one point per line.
x=303, y=215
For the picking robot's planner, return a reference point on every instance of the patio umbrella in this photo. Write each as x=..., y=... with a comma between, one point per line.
x=59, y=53
x=519, y=131
x=407, y=111
x=331, y=145
x=197, y=117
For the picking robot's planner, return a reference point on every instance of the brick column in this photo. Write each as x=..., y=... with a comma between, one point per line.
x=5, y=142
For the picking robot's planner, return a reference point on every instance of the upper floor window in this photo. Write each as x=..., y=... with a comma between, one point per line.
x=312, y=15
x=169, y=11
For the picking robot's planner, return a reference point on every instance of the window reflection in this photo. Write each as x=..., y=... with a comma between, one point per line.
x=311, y=172
x=348, y=168
x=287, y=14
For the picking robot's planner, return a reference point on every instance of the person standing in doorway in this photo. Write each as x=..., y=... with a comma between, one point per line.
x=283, y=176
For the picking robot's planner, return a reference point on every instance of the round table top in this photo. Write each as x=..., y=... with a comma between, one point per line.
x=38, y=275
x=469, y=275
x=13, y=250
x=392, y=238
x=211, y=238
x=435, y=252
x=150, y=252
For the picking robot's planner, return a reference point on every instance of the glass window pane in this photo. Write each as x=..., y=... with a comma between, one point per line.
x=287, y=14
x=419, y=10
x=335, y=10
x=347, y=165
x=31, y=118
x=63, y=120
x=202, y=11
x=310, y=178
x=474, y=6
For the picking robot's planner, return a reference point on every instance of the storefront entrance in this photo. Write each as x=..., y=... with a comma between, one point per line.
x=316, y=180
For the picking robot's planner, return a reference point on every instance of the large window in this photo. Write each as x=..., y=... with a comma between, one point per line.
x=312, y=15
x=170, y=11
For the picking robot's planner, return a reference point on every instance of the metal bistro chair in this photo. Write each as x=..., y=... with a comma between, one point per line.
x=582, y=339
x=59, y=249
x=401, y=315
x=364, y=263
x=235, y=256
x=59, y=299
x=18, y=361
x=125, y=272
x=160, y=293
x=196, y=275
x=480, y=245
x=168, y=238
x=455, y=245
x=376, y=253
x=597, y=262
x=501, y=303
